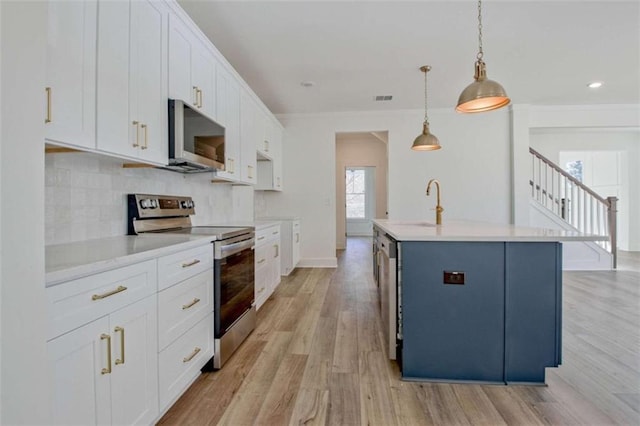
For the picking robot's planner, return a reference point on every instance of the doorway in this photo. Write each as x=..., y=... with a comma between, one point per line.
x=360, y=200
x=361, y=183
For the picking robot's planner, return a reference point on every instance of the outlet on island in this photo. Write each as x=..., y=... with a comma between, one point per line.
x=454, y=277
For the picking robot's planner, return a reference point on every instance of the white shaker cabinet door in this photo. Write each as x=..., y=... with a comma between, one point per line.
x=180, y=53
x=149, y=77
x=70, y=91
x=78, y=363
x=134, y=378
x=132, y=104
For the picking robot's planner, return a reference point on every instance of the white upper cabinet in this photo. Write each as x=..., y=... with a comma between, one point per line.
x=70, y=92
x=228, y=107
x=131, y=85
x=192, y=69
x=270, y=161
x=248, y=137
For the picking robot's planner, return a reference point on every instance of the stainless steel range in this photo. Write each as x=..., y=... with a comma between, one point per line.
x=234, y=272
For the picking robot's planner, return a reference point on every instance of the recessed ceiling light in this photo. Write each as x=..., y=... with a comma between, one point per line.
x=307, y=84
x=595, y=84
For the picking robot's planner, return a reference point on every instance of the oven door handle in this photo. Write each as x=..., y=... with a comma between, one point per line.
x=228, y=250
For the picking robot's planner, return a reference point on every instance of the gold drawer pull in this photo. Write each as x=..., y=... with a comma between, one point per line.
x=194, y=262
x=108, y=339
x=260, y=238
x=121, y=359
x=145, y=128
x=261, y=261
x=261, y=290
x=187, y=306
x=48, y=118
x=274, y=233
x=277, y=247
x=137, y=124
x=190, y=357
x=120, y=289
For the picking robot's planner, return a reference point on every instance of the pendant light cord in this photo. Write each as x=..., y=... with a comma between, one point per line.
x=426, y=116
x=480, y=53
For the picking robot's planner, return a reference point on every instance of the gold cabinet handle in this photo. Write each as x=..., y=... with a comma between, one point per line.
x=48, y=117
x=193, y=262
x=266, y=146
x=120, y=289
x=260, y=238
x=188, y=305
x=107, y=337
x=274, y=233
x=250, y=171
x=277, y=250
x=137, y=124
x=195, y=96
x=261, y=290
x=261, y=261
x=278, y=182
x=121, y=331
x=297, y=238
x=190, y=357
x=199, y=97
x=145, y=128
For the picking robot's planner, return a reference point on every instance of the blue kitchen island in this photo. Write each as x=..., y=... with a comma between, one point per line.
x=474, y=302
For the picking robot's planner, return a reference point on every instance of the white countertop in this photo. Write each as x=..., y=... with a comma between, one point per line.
x=65, y=262
x=475, y=231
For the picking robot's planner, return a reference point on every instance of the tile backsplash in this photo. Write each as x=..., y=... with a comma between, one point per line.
x=86, y=196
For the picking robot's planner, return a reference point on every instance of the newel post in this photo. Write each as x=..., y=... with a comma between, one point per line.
x=612, y=212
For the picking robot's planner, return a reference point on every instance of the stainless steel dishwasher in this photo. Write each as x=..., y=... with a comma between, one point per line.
x=388, y=291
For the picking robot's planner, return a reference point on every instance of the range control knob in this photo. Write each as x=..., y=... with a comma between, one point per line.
x=184, y=204
x=145, y=203
x=153, y=204
x=191, y=205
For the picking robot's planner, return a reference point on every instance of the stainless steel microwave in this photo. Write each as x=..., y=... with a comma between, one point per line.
x=196, y=142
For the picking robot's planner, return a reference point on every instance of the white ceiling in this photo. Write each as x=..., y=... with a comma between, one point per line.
x=542, y=52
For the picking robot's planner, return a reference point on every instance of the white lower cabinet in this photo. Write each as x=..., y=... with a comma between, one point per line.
x=105, y=372
x=120, y=350
x=180, y=362
x=267, y=266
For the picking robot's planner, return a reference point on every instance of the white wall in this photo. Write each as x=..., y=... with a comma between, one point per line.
x=354, y=152
x=473, y=167
x=550, y=142
x=24, y=387
x=85, y=196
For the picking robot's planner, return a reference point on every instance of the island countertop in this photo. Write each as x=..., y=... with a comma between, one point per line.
x=404, y=230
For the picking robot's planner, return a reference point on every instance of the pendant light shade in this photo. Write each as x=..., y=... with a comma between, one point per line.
x=483, y=94
x=425, y=141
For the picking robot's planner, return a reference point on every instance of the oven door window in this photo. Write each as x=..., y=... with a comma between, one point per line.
x=236, y=274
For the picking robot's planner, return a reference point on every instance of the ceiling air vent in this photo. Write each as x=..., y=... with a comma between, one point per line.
x=381, y=98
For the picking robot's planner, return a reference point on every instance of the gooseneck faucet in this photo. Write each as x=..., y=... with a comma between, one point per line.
x=439, y=208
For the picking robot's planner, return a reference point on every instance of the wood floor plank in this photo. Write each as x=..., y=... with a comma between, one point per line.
x=317, y=357
x=279, y=403
x=345, y=356
x=311, y=408
x=344, y=399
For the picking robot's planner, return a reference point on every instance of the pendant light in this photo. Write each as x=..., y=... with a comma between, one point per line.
x=426, y=141
x=483, y=94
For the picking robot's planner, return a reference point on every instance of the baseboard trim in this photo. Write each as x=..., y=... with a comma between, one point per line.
x=327, y=262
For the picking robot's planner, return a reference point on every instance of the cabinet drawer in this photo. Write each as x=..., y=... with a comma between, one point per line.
x=179, y=266
x=78, y=302
x=261, y=256
x=181, y=361
x=180, y=307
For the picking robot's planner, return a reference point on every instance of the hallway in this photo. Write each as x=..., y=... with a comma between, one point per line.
x=317, y=357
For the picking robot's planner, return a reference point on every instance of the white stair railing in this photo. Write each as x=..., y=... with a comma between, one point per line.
x=574, y=202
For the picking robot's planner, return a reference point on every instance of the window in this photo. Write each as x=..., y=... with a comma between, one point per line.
x=355, y=194
x=574, y=168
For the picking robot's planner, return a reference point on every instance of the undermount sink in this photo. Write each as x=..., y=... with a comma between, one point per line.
x=417, y=223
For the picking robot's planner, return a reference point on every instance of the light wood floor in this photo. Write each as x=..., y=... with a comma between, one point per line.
x=317, y=358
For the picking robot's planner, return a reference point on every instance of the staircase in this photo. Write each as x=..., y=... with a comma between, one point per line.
x=571, y=205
